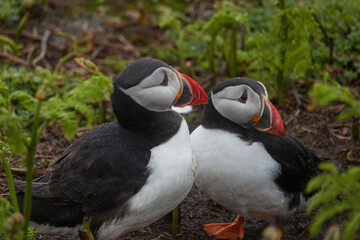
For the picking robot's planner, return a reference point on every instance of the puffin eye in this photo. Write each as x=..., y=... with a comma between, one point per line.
x=243, y=97
x=165, y=81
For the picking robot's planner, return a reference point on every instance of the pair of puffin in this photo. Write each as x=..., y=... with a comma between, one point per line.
x=126, y=174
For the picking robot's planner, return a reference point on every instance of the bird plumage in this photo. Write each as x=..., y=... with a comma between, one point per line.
x=125, y=174
x=245, y=160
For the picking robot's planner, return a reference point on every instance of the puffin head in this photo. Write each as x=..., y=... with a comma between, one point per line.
x=157, y=86
x=245, y=102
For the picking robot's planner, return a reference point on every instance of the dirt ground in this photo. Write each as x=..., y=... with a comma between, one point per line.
x=317, y=129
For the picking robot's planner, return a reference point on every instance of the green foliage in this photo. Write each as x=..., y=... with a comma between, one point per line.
x=5, y=212
x=284, y=51
x=18, y=88
x=37, y=102
x=283, y=43
x=11, y=9
x=225, y=23
x=323, y=94
x=340, y=22
x=29, y=80
x=184, y=35
x=206, y=41
x=337, y=193
x=115, y=63
x=11, y=224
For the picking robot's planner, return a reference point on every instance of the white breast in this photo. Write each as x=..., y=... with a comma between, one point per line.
x=238, y=175
x=172, y=169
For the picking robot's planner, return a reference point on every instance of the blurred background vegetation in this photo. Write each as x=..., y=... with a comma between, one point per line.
x=57, y=58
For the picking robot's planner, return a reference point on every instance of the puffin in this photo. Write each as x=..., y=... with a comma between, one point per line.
x=123, y=175
x=246, y=161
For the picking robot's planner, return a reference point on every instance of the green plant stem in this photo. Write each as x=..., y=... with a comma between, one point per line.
x=212, y=60
x=30, y=167
x=181, y=52
x=102, y=112
x=21, y=25
x=355, y=129
x=284, y=33
x=226, y=50
x=328, y=40
x=176, y=222
x=87, y=231
x=232, y=53
x=63, y=60
x=42, y=127
x=10, y=180
x=10, y=42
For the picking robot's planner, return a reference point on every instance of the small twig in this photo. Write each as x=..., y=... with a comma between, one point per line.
x=303, y=232
x=297, y=97
x=110, y=44
x=97, y=51
x=45, y=156
x=129, y=44
x=23, y=33
x=292, y=117
x=18, y=170
x=43, y=47
x=14, y=58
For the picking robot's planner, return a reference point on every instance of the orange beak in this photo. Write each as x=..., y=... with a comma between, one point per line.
x=190, y=94
x=270, y=120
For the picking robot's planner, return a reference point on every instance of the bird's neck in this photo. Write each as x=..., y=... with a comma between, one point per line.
x=154, y=126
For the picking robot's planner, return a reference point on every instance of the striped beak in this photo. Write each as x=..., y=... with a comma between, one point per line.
x=190, y=94
x=270, y=120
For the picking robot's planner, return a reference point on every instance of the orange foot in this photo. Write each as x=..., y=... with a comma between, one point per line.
x=231, y=231
x=281, y=232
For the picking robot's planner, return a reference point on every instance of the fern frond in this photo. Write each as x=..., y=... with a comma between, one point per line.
x=315, y=183
x=24, y=99
x=325, y=214
x=351, y=226
x=84, y=109
x=322, y=197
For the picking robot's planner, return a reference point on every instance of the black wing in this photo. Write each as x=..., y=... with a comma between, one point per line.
x=298, y=163
x=101, y=170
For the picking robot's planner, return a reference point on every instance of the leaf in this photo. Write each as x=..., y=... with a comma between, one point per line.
x=351, y=226
x=316, y=183
x=328, y=167
x=325, y=214
x=24, y=99
x=69, y=126
x=13, y=126
x=82, y=108
x=323, y=197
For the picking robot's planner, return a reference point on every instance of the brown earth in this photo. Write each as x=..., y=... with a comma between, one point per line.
x=317, y=129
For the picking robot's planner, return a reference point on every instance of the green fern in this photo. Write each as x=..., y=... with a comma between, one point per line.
x=323, y=94
x=283, y=52
x=337, y=193
x=39, y=104
x=11, y=224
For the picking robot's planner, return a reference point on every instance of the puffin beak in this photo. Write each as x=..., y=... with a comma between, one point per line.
x=270, y=120
x=190, y=94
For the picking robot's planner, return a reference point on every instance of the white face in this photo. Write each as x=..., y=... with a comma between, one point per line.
x=158, y=91
x=238, y=103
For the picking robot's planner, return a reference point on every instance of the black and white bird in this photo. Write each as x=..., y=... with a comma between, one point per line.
x=246, y=161
x=126, y=174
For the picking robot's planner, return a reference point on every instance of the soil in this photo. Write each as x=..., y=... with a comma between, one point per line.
x=317, y=129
